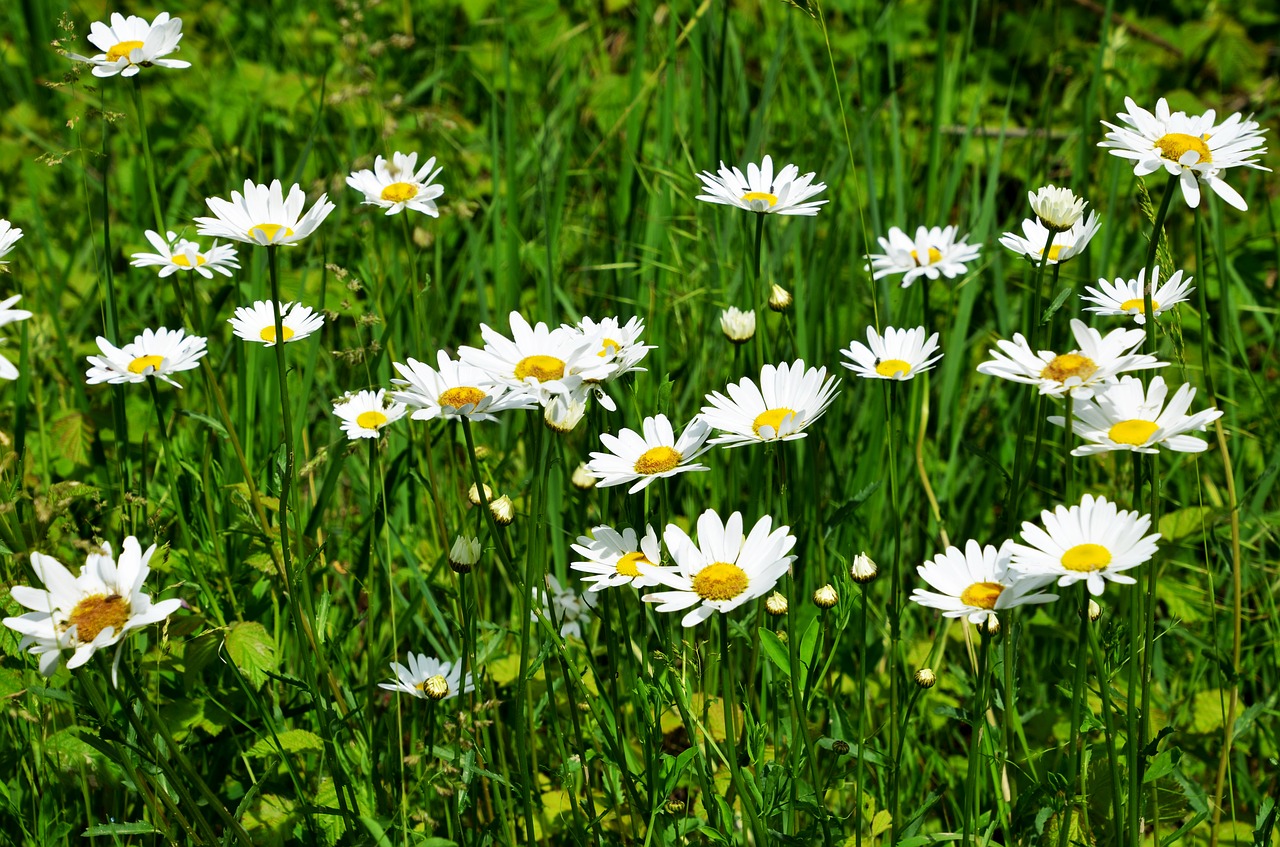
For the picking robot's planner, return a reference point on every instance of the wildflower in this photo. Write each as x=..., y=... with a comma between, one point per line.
x=1128, y=416
x=474, y=496
x=365, y=413
x=1128, y=297
x=175, y=254
x=399, y=184
x=9, y=235
x=840, y=747
x=926, y=678
x=826, y=597
x=976, y=583
x=788, y=399
x=899, y=355
x=582, y=478
x=427, y=678
x=563, y=412
x=155, y=353
x=863, y=570
x=775, y=604
x=564, y=606
x=1066, y=244
x=263, y=215
x=464, y=554
x=503, y=510
x=1095, y=611
x=454, y=390
x=934, y=252
x=543, y=362
x=760, y=191
x=642, y=458
x=619, y=345
x=258, y=322
x=738, y=326
x=130, y=44
x=611, y=558
x=7, y=316
x=1056, y=208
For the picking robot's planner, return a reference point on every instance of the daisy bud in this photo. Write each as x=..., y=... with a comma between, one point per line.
x=474, y=495
x=464, y=554
x=564, y=412
x=826, y=597
x=1095, y=611
x=776, y=605
x=739, y=327
x=436, y=687
x=582, y=479
x=779, y=298
x=863, y=570
x=840, y=748
x=1057, y=208
x=675, y=806
x=482, y=452
x=992, y=625
x=504, y=511
x=925, y=678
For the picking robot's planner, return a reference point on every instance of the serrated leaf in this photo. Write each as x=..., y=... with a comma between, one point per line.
x=291, y=740
x=72, y=435
x=252, y=650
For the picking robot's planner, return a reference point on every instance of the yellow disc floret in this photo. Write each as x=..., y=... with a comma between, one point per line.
x=269, y=231
x=399, y=192
x=541, y=368
x=772, y=418
x=1140, y=304
x=1175, y=145
x=764, y=196
x=1086, y=558
x=720, y=581
x=370, y=419
x=935, y=256
x=1135, y=432
x=892, y=368
x=462, y=395
x=658, y=460
x=627, y=564
x=268, y=334
x=982, y=595
x=122, y=50
x=95, y=613
x=1069, y=365
x=140, y=364
x=181, y=260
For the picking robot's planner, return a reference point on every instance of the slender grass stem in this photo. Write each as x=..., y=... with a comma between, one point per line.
x=895, y=611
x=973, y=785
x=148, y=161
x=1108, y=721
x=727, y=700
x=1074, y=752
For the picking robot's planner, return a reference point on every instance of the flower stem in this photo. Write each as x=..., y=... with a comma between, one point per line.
x=731, y=735
x=1108, y=720
x=148, y=161
x=895, y=613
x=973, y=785
x=1077, y=699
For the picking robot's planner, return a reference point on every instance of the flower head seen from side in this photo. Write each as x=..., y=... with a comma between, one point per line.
x=454, y=390
x=1129, y=416
x=156, y=353
x=9, y=235
x=933, y=253
x=1128, y=296
x=257, y=323
x=760, y=190
x=1192, y=148
x=563, y=606
x=619, y=346
x=738, y=326
x=130, y=44
x=175, y=254
x=90, y=611
x=724, y=569
x=788, y=399
x=428, y=678
x=536, y=359
x=900, y=354
x=400, y=184
x=611, y=558
x=976, y=583
x=365, y=413
x=1066, y=244
x=563, y=412
x=262, y=215
x=1056, y=208
x=1096, y=361
x=10, y=315
x=654, y=453
x=1094, y=542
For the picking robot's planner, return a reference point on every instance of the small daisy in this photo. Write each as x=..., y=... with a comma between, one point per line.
x=454, y=390
x=541, y=361
x=900, y=354
x=564, y=606
x=612, y=559
x=1066, y=243
x=976, y=583
x=620, y=347
x=934, y=252
x=563, y=412
x=788, y=399
x=1128, y=416
x=365, y=413
x=1096, y=361
x=1094, y=542
x=130, y=44
x=263, y=215
x=428, y=678
x=738, y=326
x=155, y=353
x=760, y=191
x=1056, y=208
x=8, y=316
x=396, y=185
x=1192, y=148
x=724, y=570
x=258, y=322
x=1126, y=296
x=175, y=254
x=657, y=453
x=9, y=235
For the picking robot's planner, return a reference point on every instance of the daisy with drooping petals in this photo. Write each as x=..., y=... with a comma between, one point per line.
x=130, y=44
x=7, y=316
x=1127, y=297
x=1128, y=416
x=541, y=361
x=9, y=235
x=934, y=252
x=563, y=606
x=1094, y=542
x=612, y=558
x=657, y=453
x=396, y=185
x=899, y=355
x=454, y=390
x=1066, y=243
x=263, y=215
x=760, y=191
x=155, y=353
x=618, y=345
x=1096, y=361
x=787, y=400
x=258, y=322
x=976, y=583
x=365, y=413
x=724, y=570
x=175, y=254
x=1192, y=148
x=428, y=678
x=88, y=612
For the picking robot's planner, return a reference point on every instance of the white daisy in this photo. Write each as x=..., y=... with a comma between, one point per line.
x=1056, y=207
x=365, y=413
x=976, y=583
x=155, y=353
x=618, y=345
x=1094, y=542
x=258, y=322
x=788, y=399
x=541, y=361
x=1096, y=361
x=9, y=235
x=1128, y=416
x=263, y=215
x=1126, y=296
x=175, y=254
x=724, y=570
x=130, y=44
x=1192, y=148
x=7, y=316
x=563, y=412
x=738, y=326
x=399, y=184
x=759, y=190
x=454, y=390
x=1066, y=243
x=899, y=355
x=88, y=612
x=563, y=606
x=657, y=453
x=428, y=678
x=612, y=559
x=934, y=252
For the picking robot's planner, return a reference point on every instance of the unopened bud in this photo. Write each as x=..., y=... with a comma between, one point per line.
x=474, y=496
x=738, y=326
x=826, y=597
x=925, y=678
x=464, y=554
x=1095, y=611
x=582, y=479
x=779, y=298
x=436, y=687
x=992, y=625
x=482, y=452
x=504, y=511
x=863, y=570
x=564, y=412
x=775, y=604
x=840, y=748
x=675, y=806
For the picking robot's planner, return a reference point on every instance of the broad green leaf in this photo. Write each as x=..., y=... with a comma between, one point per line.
x=292, y=740
x=252, y=650
x=773, y=647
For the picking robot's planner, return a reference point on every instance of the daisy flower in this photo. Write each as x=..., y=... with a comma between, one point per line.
x=934, y=252
x=88, y=612
x=9, y=235
x=564, y=606
x=1126, y=296
x=724, y=570
x=900, y=354
x=130, y=44
x=759, y=190
x=738, y=326
x=1192, y=148
x=1056, y=208
x=263, y=215
x=1066, y=243
x=1128, y=416
x=563, y=412
x=155, y=353
x=454, y=390
x=399, y=184
x=541, y=361
x=365, y=413
x=618, y=345
x=1096, y=361
x=175, y=254
x=787, y=400
x=657, y=453
x=258, y=322
x=1093, y=542
x=611, y=558
x=428, y=678
x=8, y=316
x=976, y=583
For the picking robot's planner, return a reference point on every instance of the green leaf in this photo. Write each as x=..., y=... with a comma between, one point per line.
x=881, y=822
x=773, y=647
x=252, y=650
x=137, y=828
x=1183, y=523
x=291, y=740
x=72, y=435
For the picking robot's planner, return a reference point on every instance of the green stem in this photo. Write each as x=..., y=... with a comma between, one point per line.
x=1077, y=698
x=1108, y=720
x=148, y=161
x=862, y=717
x=973, y=785
x=895, y=613
x=731, y=735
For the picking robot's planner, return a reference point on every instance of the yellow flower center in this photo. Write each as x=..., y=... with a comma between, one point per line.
x=720, y=581
x=122, y=50
x=182, y=261
x=370, y=419
x=140, y=364
x=657, y=460
x=541, y=368
x=935, y=256
x=1140, y=304
x=95, y=613
x=1086, y=558
x=1176, y=144
x=982, y=595
x=770, y=418
x=1063, y=367
x=462, y=395
x=436, y=687
x=753, y=196
x=1054, y=251
x=1135, y=432
x=892, y=367
x=268, y=334
x=399, y=192
x=609, y=348
x=269, y=230
x=627, y=564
